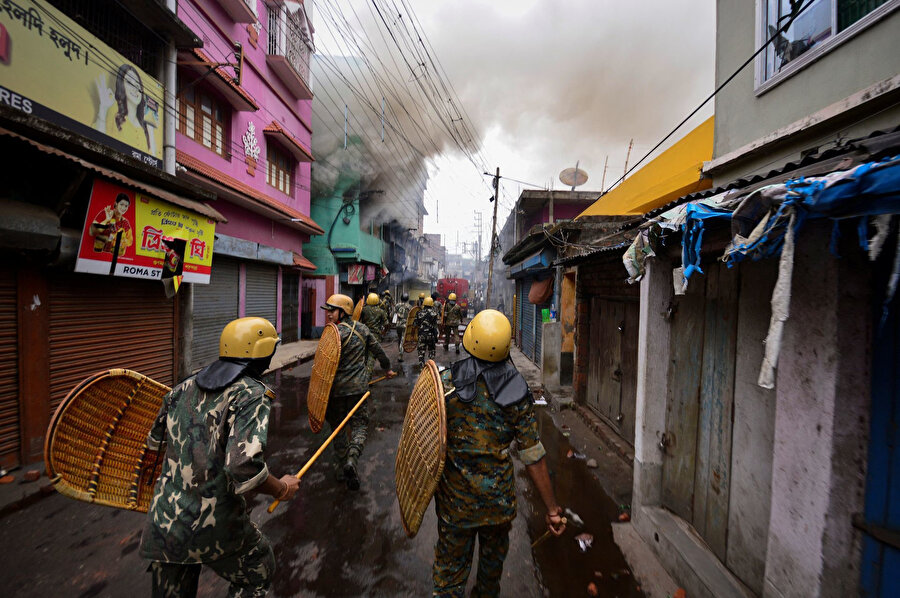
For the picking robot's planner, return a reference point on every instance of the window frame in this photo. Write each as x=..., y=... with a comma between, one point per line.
x=196, y=105
x=285, y=184
x=761, y=85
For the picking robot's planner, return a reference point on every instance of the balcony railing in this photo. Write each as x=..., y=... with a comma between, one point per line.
x=290, y=45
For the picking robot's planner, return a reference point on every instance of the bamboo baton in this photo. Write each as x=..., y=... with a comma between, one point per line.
x=324, y=445
x=380, y=379
x=546, y=535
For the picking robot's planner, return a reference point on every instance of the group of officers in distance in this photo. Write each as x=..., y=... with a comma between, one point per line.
x=212, y=429
x=432, y=320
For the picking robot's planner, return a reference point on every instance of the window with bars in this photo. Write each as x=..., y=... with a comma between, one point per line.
x=203, y=118
x=810, y=32
x=279, y=169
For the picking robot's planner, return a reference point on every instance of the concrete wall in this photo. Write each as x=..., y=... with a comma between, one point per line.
x=821, y=426
x=742, y=116
x=551, y=341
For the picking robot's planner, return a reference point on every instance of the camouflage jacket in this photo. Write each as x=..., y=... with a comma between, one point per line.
x=402, y=312
x=356, y=343
x=214, y=453
x=375, y=319
x=387, y=305
x=427, y=322
x=477, y=486
x=452, y=315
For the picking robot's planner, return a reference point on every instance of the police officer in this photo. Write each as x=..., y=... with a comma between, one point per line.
x=213, y=428
x=350, y=383
x=452, y=319
x=374, y=317
x=402, y=314
x=421, y=299
x=387, y=302
x=476, y=496
x=426, y=322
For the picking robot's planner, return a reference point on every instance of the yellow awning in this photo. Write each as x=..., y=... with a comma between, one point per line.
x=672, y=174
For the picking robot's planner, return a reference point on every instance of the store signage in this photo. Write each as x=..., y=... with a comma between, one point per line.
x=56, y=70
x=125, y=234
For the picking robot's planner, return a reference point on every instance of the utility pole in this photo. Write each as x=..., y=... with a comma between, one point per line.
x=628, y=155
x=603, y=181
x=487, y=296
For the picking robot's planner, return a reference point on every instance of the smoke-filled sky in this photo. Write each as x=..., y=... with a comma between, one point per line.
x=545, y=83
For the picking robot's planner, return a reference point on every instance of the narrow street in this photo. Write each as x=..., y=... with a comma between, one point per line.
x=328, y=541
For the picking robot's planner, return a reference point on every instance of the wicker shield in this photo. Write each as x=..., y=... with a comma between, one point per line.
x=325, y=364
x=422, y=449
x=357, y=311
x=96, y=444
x=411, y=336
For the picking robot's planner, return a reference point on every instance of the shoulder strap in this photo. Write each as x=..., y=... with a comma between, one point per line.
x=354, y=331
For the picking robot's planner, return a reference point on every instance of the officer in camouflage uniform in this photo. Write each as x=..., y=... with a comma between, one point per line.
x=476, y=496
x=214, y=427
x=376, y=321
x=427, y=323
x=387, y=302
x=402, y=314
x=350, y=384
x=452, y=319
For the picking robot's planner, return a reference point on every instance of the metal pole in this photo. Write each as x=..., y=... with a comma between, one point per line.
x=487, y=297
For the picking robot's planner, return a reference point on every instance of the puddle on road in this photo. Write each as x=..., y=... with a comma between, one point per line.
x=564, y=569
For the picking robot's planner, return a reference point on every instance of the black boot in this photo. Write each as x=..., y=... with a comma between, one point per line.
x=350, y=472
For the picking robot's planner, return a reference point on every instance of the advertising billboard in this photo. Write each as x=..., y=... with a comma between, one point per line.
x=54, y=69
x=125, y=234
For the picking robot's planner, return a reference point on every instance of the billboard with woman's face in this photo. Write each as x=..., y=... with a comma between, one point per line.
x=53, y=68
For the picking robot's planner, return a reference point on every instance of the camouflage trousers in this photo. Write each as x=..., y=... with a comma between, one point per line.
x=426, y=347
x=451, y=335
x=352, y=438
x=248, y=573
x=453, y=559
x=401, y=334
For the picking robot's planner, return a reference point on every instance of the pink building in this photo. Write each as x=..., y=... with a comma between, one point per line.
x=243, y=131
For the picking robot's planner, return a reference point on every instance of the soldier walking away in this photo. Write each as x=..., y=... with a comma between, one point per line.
x=438, y=304
x=212, y=429
x=350, y=383
x=427, y=323
x=421, y=299
x=452, y=319
x=387, y=302
x=476, y=496
x=401, y=313
x=376, y=321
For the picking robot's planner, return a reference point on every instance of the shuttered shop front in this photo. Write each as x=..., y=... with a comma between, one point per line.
x=215, y=304
x=262, y=291
x=102, y=322
x=527, y=321
x=9, y=371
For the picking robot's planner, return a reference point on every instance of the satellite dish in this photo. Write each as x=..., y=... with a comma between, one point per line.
x=573, y=177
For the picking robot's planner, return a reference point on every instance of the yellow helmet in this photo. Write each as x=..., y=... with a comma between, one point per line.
x=372, y=299
x=338, y=301
x=488, y=336
x=451, y=297
x=428, y=302
x=248, y=338
x=421, y=295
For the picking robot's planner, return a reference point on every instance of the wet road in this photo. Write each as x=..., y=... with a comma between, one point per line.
x=327, y=541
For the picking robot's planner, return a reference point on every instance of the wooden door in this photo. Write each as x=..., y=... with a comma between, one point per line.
x=700, y=398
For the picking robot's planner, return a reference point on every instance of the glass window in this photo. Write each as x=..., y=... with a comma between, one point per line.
x=279, y=169
x=819, y=21
x=202, y=118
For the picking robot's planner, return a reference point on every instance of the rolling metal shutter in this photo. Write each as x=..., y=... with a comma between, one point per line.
x=9, y=371
x=103, y=322
x=262, y=289
x=215, y=304
x=527, y=321
x=521, y=300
